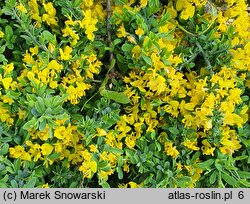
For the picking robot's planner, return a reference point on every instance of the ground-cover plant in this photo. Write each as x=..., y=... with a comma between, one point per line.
x=124, y=93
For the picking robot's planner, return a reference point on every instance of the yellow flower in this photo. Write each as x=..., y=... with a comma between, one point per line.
x=93, y=148
x=89, y=23
x=207, y=149
x=232, y=119
x=1, y=34
x=17, y=151
x=66, y=53
x=51, y=47
x=143, y=3
x=59, y=132
x=130, y=141
x=53, y=64
x=28, y=59
x=53, y=84
x=122, y=185
x=101, y=132
x=191, y=144
x=22, y=8
x=46, y=148
x=121, y=31
x=35, y=151
x=188, y=12
x=50, y=14
x=8, y=68
x=35, y=11
x=88, y=3
x=170, y=150
x=6, y=82
x=88, y=168
x=136, y=52
x=179, y=4
x=34, y=50
x=7, y=99
x=21, y=113
x=49, y=8
x=26, y=156
x=139, y=32
x=179, y=166
x=189, y=106
x=46, y=185
x=131, y=39
x=104, y=174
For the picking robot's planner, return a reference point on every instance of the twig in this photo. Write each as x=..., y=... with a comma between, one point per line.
x=27, y=31
x=193, y=56
x=111, y=54
x=183, y=29
x=205, y=57
x=195, y=34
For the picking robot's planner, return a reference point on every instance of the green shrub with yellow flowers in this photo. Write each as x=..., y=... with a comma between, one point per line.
x=124, y=93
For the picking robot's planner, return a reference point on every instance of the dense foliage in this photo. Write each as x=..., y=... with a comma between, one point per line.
x=124, y=93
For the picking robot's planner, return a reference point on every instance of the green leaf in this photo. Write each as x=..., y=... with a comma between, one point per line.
x=2, y=49
x=120, y=2
x=8, y=32
x=117, y=41
x=2, y=58
x=17, y=164
x=239, y=158
x=5, y=178
x=10, y=169
x=147, y=59
x=8, y=162
x=5, y=139
x=74, y=184
x=28, y=39
x=244, y=174
x=218, y=166
x=229, y=179
x=120, y=172
x=131, y=154
x=116, y=150
x=98, y=43
x=164, y=19
x=127, y=47
x=31, y=183
x=245, y=98
x=39, y=108
x=244, y=183
x=30, y=124
x=105, y=185
x=184, y=181
x=54, y=156
x=47, y=36
x=118, y=97
x=120, y=161
x=174, y=130
x=153, y=7
x=42, y=125
x=213, y=177
x=206, y=164
x=14, y=184
x=103, y=164
x=4, y=149
x=196, y=155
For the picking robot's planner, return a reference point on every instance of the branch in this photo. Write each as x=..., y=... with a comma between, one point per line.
x=111, y=54
x=205, y=57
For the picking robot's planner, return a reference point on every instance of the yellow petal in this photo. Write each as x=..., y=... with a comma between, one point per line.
x=7, y=82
